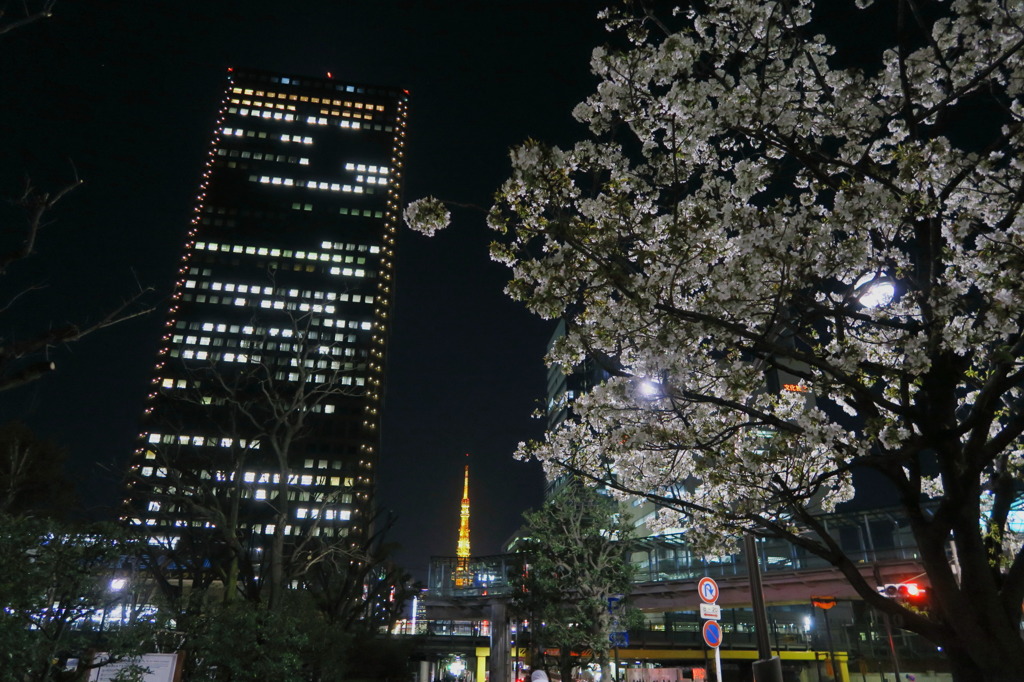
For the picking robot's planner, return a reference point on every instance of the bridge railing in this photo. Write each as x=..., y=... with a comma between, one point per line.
x=669, y=558
x=489, y=576
x=443, y=628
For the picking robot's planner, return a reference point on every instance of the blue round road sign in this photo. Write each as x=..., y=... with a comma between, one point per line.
x=712, y=633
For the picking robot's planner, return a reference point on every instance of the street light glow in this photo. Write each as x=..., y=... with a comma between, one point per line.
x=874, y=291
x=649, y=388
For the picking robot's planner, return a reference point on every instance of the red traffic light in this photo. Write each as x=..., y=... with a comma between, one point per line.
x=904, y=591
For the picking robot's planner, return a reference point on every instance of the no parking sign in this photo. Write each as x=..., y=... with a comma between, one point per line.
x=712, y=632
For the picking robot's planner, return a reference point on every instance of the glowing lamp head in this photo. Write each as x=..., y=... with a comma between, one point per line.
x=874, y=290
x=649, y=388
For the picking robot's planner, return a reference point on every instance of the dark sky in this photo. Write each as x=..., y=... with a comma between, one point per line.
x=125, y=92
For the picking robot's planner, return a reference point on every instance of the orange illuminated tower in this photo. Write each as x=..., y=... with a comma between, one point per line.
x=462, y=577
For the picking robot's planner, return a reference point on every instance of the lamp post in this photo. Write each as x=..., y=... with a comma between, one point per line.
x=767, y=668
x=826, y=603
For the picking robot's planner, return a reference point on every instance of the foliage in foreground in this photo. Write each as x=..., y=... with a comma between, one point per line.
x=576, y=550
x=58, y=599
x=246, y=642
x=68, y=591
x=824, y=202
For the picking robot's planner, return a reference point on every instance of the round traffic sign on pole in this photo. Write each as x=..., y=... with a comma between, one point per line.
x=712, y=632
x=708, y=590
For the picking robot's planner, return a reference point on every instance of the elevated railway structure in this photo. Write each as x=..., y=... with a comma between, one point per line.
x=665, y=590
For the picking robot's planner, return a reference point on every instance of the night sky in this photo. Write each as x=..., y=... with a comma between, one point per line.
x=125, y=93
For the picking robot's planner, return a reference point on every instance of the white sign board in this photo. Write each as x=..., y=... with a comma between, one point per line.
x=161, y=667
x=711, y=611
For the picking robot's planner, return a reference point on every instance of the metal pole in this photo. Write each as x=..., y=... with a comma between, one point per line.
x=764, y=648
x=775, y=634
x=892, y=645
x=862, y=661
x=888, y=630
x=831, y=649
x=767, y=668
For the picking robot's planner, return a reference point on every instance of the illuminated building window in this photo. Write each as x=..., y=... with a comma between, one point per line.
x=265, y=229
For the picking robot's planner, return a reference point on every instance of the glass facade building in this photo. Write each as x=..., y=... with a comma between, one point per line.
x=266, y=393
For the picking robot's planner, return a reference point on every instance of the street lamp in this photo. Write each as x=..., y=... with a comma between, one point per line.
x=874, y=290
x=649, y=388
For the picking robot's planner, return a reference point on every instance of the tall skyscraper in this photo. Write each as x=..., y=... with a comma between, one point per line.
x=265, y=402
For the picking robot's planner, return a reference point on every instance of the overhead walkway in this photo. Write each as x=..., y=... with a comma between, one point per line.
x=664, y=564
x=666, y=574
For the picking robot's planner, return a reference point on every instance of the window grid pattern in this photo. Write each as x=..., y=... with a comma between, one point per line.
x=347, y=306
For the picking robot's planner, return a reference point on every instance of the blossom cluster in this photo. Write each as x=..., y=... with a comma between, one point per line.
x=749, y=194
x=427, y=216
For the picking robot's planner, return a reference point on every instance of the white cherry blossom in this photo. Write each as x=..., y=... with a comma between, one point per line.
x=740, y=185
x=427, y=216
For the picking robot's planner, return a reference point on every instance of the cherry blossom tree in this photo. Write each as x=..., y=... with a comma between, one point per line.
x=757, y=206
